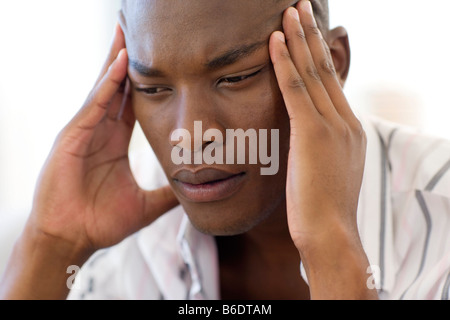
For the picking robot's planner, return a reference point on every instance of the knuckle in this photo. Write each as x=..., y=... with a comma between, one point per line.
x=296, y=82
x=359, y=136
x=343, y=131
x=313, y=73
x=312, y=29
x=321, y=131
x=353, y=130
x=92, y=100
x=285, y=54
x=359, y=130
x=327, y=67
x=327, y=48
x=300, y=35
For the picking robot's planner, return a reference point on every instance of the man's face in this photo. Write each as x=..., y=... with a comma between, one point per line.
x=208, y=61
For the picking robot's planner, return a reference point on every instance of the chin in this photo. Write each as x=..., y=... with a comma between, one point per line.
x=215, y=220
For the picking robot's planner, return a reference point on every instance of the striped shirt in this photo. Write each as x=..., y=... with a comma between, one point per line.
x=403, y=220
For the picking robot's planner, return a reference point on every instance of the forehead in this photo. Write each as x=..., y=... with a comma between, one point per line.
x=173, y=29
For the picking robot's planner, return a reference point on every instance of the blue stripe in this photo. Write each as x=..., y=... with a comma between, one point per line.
x=427, y=216
x=446, y=288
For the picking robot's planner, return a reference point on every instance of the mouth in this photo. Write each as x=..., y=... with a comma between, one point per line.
x=208, y=185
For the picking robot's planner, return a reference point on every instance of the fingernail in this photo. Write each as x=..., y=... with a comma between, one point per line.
x=120, y=55
x=280, y=36
x=294, y=13
x=306, y=6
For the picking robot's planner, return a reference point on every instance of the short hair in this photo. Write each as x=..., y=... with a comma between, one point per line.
x=320, y=8
x=322, y=14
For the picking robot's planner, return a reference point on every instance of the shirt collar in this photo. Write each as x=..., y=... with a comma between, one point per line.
x=183, y=260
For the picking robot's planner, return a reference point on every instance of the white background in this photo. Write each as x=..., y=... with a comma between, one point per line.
x=51, y=52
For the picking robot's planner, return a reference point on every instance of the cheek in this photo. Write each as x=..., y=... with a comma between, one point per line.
x=262, y=107
x=271, y=113
x=267, y=111
x=154, y=124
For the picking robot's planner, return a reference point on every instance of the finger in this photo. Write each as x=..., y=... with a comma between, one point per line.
x=296, y=97
x=124, y=101
x=121, y=108
x=322, y=58
x=302, y=58
x=101, y=98
x=158, y=202
x=119, y=102
x=127, y=112
x=118, y=43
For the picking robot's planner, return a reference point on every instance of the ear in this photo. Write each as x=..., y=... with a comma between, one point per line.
x=339, y=45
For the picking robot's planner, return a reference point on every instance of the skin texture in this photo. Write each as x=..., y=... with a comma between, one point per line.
x=191, y=93
x=307, y=213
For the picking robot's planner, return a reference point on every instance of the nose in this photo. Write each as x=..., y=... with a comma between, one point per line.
x=196, y=114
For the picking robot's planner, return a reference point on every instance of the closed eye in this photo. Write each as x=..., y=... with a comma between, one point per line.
x=228, y=81
x=152, y=91
x=237, y=79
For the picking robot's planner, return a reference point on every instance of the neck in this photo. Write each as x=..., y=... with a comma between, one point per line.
x=269, y=241
x=271, y=238
x=264, y=255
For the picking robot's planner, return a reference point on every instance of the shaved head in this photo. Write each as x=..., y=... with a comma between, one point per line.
x=321, y=9
x=144, y=20
x=322, y=14
x=209, y=61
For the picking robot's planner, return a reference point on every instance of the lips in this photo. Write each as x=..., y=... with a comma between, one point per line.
x=207, y=185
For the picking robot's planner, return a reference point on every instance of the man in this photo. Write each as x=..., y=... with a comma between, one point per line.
x=358, y=223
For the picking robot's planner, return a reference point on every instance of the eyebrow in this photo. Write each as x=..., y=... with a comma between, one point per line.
x=229, y=57
x=144, y=70
x=233, y=55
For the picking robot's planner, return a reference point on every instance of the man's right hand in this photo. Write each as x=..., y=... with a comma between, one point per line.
x=86, y=193
x=87, y=197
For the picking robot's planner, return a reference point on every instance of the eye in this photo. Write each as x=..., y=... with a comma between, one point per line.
x=152, y=91
x=237, y=79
